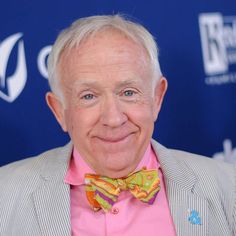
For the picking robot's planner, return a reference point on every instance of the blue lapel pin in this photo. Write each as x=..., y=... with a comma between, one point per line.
x=194, y=218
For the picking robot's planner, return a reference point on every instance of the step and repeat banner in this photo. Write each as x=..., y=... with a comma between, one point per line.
x=197, y=41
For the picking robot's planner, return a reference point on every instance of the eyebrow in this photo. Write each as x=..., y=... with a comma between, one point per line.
x=96, y=83
x=129, y=82
x=85, y=82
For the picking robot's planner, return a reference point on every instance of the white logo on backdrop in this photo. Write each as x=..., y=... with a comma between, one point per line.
x=42, y=61
x=218, y=37
x=12, y=86
x=228, y=154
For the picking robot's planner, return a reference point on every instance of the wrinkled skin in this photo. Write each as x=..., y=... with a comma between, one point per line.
x=110, y=105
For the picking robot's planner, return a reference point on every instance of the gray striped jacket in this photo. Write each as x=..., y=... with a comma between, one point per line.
x=34, y=200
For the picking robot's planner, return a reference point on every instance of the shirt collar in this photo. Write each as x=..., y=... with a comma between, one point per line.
x=77, y=169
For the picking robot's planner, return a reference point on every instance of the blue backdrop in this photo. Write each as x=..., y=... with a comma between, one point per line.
x=197, y=41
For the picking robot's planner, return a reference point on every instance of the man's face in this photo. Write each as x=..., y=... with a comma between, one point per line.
x=109, y=109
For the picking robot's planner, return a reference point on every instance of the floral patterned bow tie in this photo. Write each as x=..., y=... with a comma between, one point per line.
x=102, y=192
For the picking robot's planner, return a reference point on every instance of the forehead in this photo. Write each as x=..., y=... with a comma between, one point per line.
x=104, y=52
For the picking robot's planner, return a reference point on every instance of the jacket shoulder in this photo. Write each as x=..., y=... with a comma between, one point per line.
x=200, y=164
x=205, y=169
x=29, y=169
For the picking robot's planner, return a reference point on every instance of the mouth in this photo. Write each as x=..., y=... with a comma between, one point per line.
x=114, y=139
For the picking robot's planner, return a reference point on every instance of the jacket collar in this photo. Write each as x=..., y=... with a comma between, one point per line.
x=174, y=170
x=188, y=208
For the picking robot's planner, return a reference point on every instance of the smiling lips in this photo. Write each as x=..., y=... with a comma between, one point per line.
x=114, y=139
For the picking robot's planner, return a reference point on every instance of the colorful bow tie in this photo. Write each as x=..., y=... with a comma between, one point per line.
x=102, y=192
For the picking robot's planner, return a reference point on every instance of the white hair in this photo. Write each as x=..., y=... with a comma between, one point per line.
x=84, y=27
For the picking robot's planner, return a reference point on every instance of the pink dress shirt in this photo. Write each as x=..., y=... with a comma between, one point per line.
x=128, y=217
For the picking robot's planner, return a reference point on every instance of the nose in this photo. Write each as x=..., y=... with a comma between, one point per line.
x=112, y=114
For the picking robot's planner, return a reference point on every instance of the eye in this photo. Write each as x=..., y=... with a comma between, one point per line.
x=129, y=93
x=88, y=96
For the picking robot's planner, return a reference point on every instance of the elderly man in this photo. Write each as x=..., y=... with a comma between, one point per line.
x=113, y=179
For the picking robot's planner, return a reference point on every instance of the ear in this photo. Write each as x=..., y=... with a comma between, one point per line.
x=57, y=109
x=159, y=93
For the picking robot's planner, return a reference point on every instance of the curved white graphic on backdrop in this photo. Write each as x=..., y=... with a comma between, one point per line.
x=42, y=61
x=12, y=86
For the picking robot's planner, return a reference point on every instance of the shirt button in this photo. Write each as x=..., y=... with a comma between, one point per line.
x=115, y=211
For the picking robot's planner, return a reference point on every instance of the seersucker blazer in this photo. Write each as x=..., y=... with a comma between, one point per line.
x=35, y=201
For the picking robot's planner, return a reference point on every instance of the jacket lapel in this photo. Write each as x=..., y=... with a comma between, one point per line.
x=52, y=198
x=189, y=210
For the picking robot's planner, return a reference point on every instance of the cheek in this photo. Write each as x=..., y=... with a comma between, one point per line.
x=69, y=121
x=141, y=114
x=151, y=109
x=80, y=122
x=155, y=111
